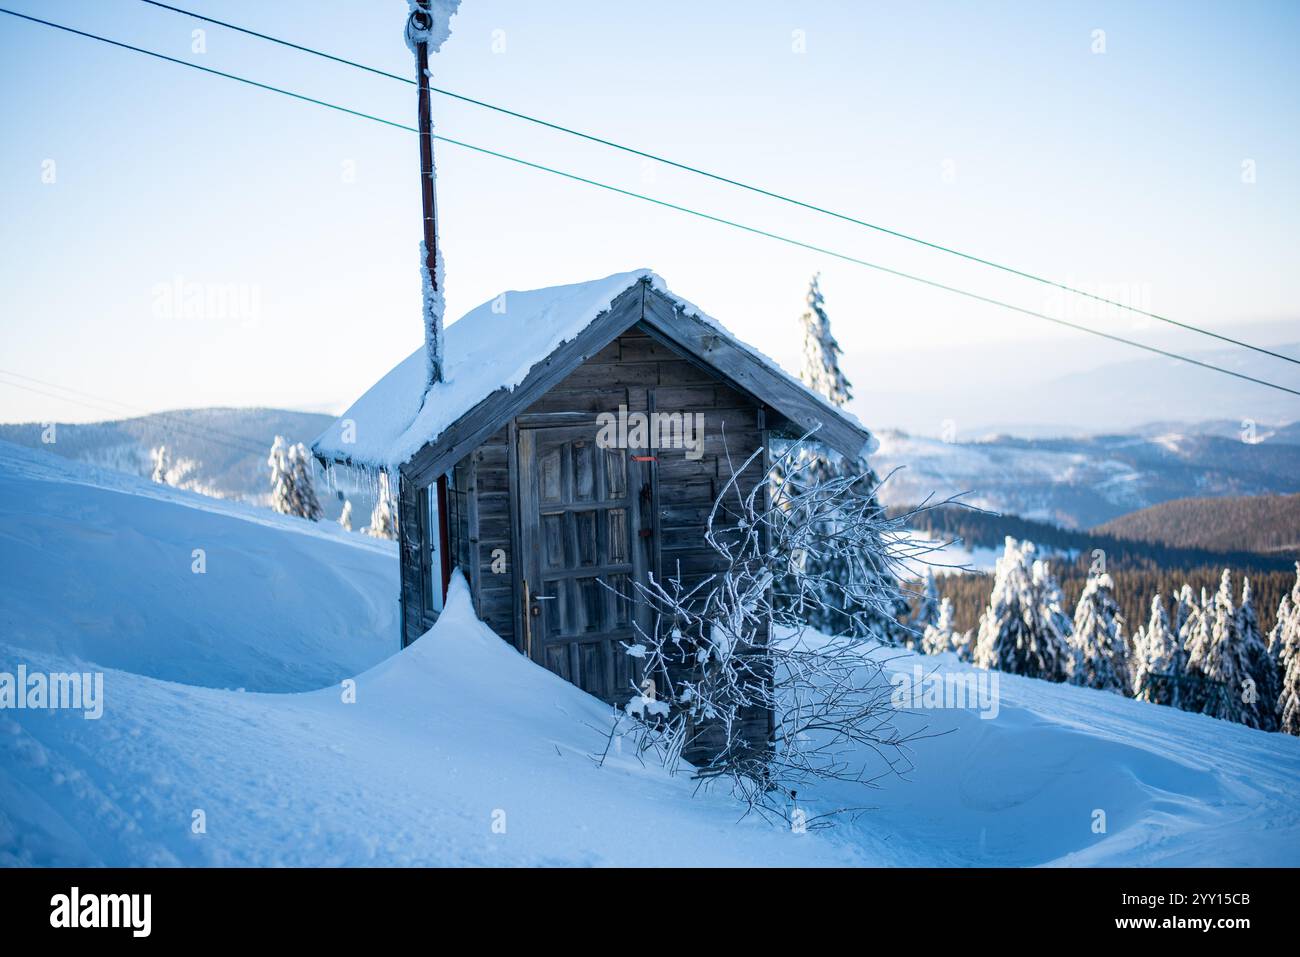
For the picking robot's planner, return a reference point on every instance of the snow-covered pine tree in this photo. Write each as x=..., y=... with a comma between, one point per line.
x=284, y=498
x=161, y=463
x=821, y=372
x=938, y=636
x=927, y=606
x=383, y=518
x=1215, y=653
x=292, y=489
x=1259, y=663
x=1184, y=611
x=1284, y=649
x=1021, y=631
x=1196, y=636
x=1277, y=633
x=1159, y=664
x=1288, y=617
x=1138, y=646
x=1288, y=701
x=1052, y=602
x=304, y=486
x=345, y=519
x=1098, y=638
x=821, y=353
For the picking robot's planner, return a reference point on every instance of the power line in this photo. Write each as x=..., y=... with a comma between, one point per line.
x=198, y=432
x=682, y=209
x=296, y=46
x=870, y=265
x=169, y=420
x=718, y=177
x=238, y=443
x=61, y=398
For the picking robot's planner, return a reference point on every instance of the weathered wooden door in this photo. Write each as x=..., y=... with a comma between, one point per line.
x=580, y=516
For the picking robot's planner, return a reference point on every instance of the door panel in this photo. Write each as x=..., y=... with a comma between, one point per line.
x=580, y=514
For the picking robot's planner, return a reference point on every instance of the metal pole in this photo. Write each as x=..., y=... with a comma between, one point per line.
x=417, y=28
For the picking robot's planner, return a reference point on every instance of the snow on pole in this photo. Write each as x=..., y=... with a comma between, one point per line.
x=427, y=27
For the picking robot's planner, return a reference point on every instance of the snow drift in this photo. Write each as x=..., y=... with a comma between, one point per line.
x=100, y=567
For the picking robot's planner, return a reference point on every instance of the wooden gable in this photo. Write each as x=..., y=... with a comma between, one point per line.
x=667, y=320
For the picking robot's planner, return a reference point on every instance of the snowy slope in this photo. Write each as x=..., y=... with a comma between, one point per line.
x=456, y=728
x=98, y=566
x=1177, y=789
x=449, y=735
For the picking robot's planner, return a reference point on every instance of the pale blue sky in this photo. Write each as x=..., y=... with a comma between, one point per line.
x=1122, y=169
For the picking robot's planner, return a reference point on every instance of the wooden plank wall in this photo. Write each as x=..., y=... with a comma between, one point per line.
x=641, y=372
x=490, y=503
x=410, y=538
x=734, y=428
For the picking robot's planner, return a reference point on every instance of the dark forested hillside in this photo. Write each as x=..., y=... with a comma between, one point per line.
x=1257, y=523
x=986, y=529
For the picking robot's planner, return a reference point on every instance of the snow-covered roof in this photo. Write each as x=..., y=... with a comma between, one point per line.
x=493, y=346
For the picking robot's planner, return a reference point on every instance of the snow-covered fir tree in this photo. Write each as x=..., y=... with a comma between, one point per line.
x=1137, y=649
x=938, y=635
x=1159, y=659
x=161, y=464
x=821, y=353
x=1284, y=648
x=304, y=485
x=1023, y=630
x=816, y=465
x=1052, y=600
x=1277, y=633
x=1288, y=702
x=1102, y=655
x=292, y=490
x=1260, y=665
x=1193, y=626
x=345, y=518
x=1185, y=609
x=963, y=645
x=383, y=518
x=1197, y=635
x=1288, y=618
x=1215, y=653
x=283, y=497
x=927, y=606
x=1226, y=661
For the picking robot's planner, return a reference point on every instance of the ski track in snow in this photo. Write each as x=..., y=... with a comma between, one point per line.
x=1177, y=789
x=450, y=732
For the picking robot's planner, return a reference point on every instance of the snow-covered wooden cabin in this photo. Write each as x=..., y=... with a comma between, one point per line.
x=532, y=507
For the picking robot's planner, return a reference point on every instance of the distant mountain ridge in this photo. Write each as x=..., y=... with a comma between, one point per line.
x=1085, y=482
x=220, y=452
